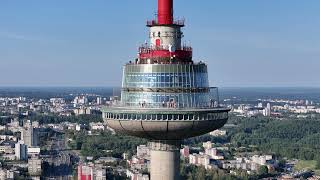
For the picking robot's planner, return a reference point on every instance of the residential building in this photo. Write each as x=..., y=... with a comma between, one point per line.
x=35, y=166
x=21, y=151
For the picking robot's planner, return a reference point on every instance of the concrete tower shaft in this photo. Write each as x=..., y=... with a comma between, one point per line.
x=165, y=12
x=165, y=160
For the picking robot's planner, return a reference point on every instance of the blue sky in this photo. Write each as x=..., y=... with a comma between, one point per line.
x=85, y=43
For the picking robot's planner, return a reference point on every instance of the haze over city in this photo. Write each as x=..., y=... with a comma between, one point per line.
x=85, y=43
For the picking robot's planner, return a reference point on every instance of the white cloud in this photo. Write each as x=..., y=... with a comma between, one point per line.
x=11, y=35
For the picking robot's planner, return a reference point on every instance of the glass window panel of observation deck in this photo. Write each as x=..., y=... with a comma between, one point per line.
x=158, y=99
x=165, y=80
x=153, y=117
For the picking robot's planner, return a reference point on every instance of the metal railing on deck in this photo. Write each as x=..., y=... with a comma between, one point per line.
x=148, y=49
x=178, y=22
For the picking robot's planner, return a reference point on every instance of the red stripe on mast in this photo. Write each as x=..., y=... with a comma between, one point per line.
x=165, y=12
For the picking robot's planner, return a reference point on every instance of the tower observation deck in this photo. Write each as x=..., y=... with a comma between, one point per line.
x=165, y=96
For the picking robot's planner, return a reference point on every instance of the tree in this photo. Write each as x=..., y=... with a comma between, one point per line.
x=318, y=163
x=263, y=170
x=282, y=163
x=201, y=173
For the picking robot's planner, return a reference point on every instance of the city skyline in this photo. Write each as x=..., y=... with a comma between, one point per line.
x=253, y=43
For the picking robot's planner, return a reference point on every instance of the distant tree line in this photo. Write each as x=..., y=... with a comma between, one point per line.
x=287, y=138
x=191, y=172
x=105, y=144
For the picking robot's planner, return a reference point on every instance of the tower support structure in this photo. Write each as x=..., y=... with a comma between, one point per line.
x=165, y=160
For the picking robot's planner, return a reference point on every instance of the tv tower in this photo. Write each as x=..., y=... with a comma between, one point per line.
x=165, y=96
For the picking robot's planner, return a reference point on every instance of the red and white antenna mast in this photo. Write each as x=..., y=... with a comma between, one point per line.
x=165, y=39
x=165, y=12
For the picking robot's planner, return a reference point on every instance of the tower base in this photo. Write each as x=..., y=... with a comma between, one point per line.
x=165, y=160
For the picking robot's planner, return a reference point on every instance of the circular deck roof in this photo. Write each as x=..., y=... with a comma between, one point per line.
x=190, y=122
